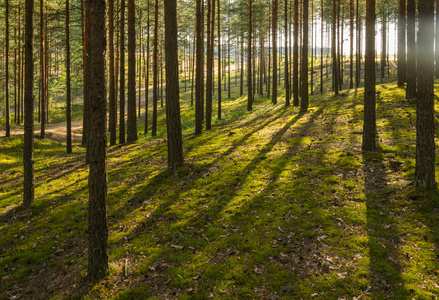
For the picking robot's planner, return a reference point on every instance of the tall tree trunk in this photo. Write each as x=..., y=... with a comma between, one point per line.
x=437, y=39
x=401, y=43
x=369, y=125
x=411, y=50
x=155, y=71
x=249, y=57
x=358, y=59
x=304, y=68
x=351, y=44
x=312, y=46
x=42, y=71
x=175, y=139
x=20, y=63
x=209, y=66
x=139, y=63
x=132, y=124
x=274, y=34
x=321, y=48
x=111, y=83
x=8, y=130
x=228, y=55
x=122, y=74
x=199, y=86
x=287, y=76
x=97, y=179
x=219, y=59
x=68, y=85
x=296, y=55
x=425, y=133
x=147, y=71
x=28, y=148
x=335, y=77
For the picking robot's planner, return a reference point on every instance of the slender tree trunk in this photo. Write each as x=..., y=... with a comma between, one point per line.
x=228, y=54
x=287, y=76
x=68, y=86
x=139, y=63
x=351, y=44
x=274, y=34
x=111, y=84
x=304, y=68
x=28, y=148
x=97, y=180
x=312, y=46
x=369, y=125
x=8, y=130
x=249, y=57
x=122, y=74
x=358, y=59
x=209, y=66
x=219, y=59
x=15, y=75
x=155, y=70
x=425, y=132
x=199, y=86
x=147, y=71
x=132, y=124
x=241, y=87
x=321, y=48
x=296, y=55
x=437, y=39
x=335, y=77
x=411, y=50
x=401, y=43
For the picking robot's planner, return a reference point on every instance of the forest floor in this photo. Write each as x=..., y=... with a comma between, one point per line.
x=270, y=204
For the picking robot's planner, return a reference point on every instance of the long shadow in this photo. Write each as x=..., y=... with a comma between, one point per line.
x=384, y=266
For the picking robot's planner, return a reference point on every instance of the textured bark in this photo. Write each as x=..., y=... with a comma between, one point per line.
x=139, y=63
x=219, y=59
x=351, y=44
x=249, y=57
x=287, y=76
x=411, y=50
x=175, y=139
x=369, y=124
x=42, y=72
x=199, y=77
x=209, y=65
x=358, y=59
x=425, y=146
x=112, y=119
x=97, y=179
x=147, y=71
x=384, y=44
x=296, y=54
x=132, y=124
x=19, y=67
x=8, y=129
x=437, y=39
x=274, y=34
x=122, y=74
x=321, y=49
x=401, y=43
x=68, y=84
x=335, y=78
x=155, y=71
x=28, y=148
x=304, y=68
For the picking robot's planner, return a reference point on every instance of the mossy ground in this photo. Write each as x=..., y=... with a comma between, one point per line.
x=270, y=204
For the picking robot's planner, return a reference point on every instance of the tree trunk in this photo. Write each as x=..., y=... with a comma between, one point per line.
x=411, y=50
x=155, y=71
x=249, y=57
x=122, y=74
x=335, y=77
x=304, y=68
x=132, y=124
x=97, y=179
x=175, y=139
x=321, y=49
x=139, y=63
x=296, y=55
x=111, y=84
x=401, y=43
x=351, y=44
x=8, y=130
x=287, y=76
x=369, y=125
x=209, y=66
x=425, y=133
x=68, y=86
x=219, y=59
x=147, y=71
x=437, y=39
x=274, y=34
x=28, y=148
x=42, y=72
x=358, y=60
x=384, y=44
x=199, y=77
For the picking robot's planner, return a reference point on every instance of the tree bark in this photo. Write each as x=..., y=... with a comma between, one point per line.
x=68, y=85
x=42, y=72
x=122, y=74
x=411, y=50
x=369, y=125
x=274, y=34
x=425, y=133
x=249, y=57
x=155, y=71
x=304, y=68
x=351, y=44
x=111, y=84
x=8, y=129
x=335, y=77
x=287, y=76
x=175, y=139
x=199, y=77
x=209, y=66
x=132, y=124
x=97, y=180
x=384, y=44
x=147, y=71
x=28, y=148
x=401, y=43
